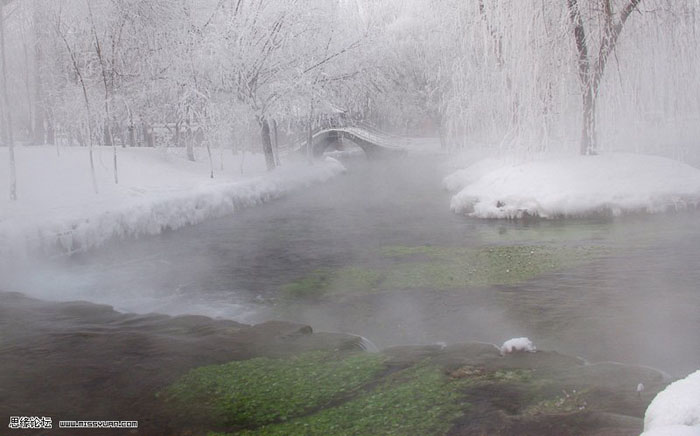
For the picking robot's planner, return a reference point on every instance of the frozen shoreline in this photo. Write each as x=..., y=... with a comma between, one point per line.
x=58, y=211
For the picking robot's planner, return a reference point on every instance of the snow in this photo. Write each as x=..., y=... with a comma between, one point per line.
x=553, y=187
x=466, y=176
x=674, y=430
x=675, y=411
x=158, y=189
x=517, y=345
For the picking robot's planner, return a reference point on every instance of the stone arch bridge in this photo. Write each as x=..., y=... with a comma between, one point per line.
x=375, y=144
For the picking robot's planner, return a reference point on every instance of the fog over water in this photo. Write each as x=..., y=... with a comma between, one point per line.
x=632, y=297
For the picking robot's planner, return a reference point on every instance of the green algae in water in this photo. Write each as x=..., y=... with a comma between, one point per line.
x=441, y=268
x=314, y=285
x=430, y=251
x=417, y=401
x=323, y=281
x=455, y=267
x=254, y=392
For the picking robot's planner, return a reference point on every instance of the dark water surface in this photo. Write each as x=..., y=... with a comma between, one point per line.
x=635, y=299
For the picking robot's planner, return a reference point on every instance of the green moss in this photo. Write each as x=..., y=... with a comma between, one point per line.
x=567, y=402
x=471, y=374
x=512, y=375
x=258, y=391
x=417, y=401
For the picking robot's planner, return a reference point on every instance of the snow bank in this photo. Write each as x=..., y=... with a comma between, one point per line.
x=465, y=177
x=673, y=430
x=57, y=209
x=517, y=345
x=675, y=411
x=612, y=183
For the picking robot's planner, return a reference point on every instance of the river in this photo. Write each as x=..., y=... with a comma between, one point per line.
x=377, y=252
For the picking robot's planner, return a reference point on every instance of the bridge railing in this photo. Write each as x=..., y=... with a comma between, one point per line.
x=373, y=137
x=364, y=131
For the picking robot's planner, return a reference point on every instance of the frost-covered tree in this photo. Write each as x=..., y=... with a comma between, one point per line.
x=512, y=74
x=594, y=53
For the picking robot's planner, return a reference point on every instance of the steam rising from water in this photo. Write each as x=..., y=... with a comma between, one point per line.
x=636, y=303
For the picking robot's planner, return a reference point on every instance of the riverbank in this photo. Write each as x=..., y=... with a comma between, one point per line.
x=78, y=360
x=58, y=211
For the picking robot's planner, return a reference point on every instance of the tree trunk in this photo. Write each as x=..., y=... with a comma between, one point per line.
x=148, y=139
x=132, y=134
x=122, y=139
x=211, y=161
x=588, y=133
x=242, y=161
x=310, y=133
x=221, y=155
x=276, y=141
x=7, y=115
x=147, y=135
x=189, y=138
x=39, y=102
x=443, y=140
x=50, y=131
x=591, y=71
x=109, y=138
x=87, y=105
x=107, y=134
x=190, y=148
x=114, y=156
x=267, y=144
x=441, y=131
x=27, y=89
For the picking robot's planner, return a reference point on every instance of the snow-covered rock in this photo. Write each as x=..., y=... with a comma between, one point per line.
x=613, y=183
x=675, y=411
x=517, y=345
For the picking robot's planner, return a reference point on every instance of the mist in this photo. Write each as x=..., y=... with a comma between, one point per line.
x=246, y=179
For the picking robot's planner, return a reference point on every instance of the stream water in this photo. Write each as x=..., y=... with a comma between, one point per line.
x=366, y=254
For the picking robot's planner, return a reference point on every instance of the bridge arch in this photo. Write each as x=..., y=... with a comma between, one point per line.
x=374, y=145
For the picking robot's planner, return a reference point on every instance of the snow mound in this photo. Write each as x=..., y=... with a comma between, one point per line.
x=465, y=177
x=673, y=430
x=675, y=411
x=158, y=192
x=517, y=345
x=613, y=183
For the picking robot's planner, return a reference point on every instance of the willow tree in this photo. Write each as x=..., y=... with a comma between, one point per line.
x=593, y=60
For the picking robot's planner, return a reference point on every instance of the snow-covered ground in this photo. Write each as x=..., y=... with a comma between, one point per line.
x=58, y=210
x=552, y=187
x=675, y=411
